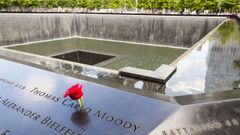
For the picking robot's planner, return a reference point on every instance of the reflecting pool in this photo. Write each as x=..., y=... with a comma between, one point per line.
x=135, y=55
x=212, y=67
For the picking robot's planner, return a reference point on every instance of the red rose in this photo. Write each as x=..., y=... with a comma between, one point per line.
x=74, y=92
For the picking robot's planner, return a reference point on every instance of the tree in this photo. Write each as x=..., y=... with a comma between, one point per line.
x=15, y=3
x=127, y=4
x=181, y=6
x=81, y=3
x=146, y=4
x=62, y=3
x=161, y=4
x=197, y=5
x=211, y=5
x=50, y=4
x=4, y=4
x=35, y=3
x=114, y=4
x=229, y=5
x=94, y=4
x=105, y=4
x=25, y=3
x=173, y=5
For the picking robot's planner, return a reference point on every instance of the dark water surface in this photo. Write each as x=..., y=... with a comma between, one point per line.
x=140, y=56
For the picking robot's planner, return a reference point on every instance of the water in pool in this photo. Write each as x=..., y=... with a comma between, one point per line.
x=134, y=55
x=214, y=66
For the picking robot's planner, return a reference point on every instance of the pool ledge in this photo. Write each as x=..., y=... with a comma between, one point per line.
x=161, y=75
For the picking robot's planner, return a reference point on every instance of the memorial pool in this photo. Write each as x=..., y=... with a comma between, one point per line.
x=202, y=97
x=213, y=66
x=128, y=54
x=138, y=41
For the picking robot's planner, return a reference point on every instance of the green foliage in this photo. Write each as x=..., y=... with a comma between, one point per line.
x=183, y=4
x=197, y=5
x=4, y=4
x=114, y=4
x=146, y=4
x=50, y=4
x=161, y=4
x=174, y=5
x=211, y=5
x=81, y=3
x=230, y=5
x=24, y=3
x=94, y=4
x=127, y=4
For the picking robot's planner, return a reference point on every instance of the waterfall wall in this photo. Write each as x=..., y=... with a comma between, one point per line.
x=22, y=28
x=180, y=31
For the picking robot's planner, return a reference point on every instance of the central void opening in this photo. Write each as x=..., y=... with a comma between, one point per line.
x=113, y=55
x=85, y=57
